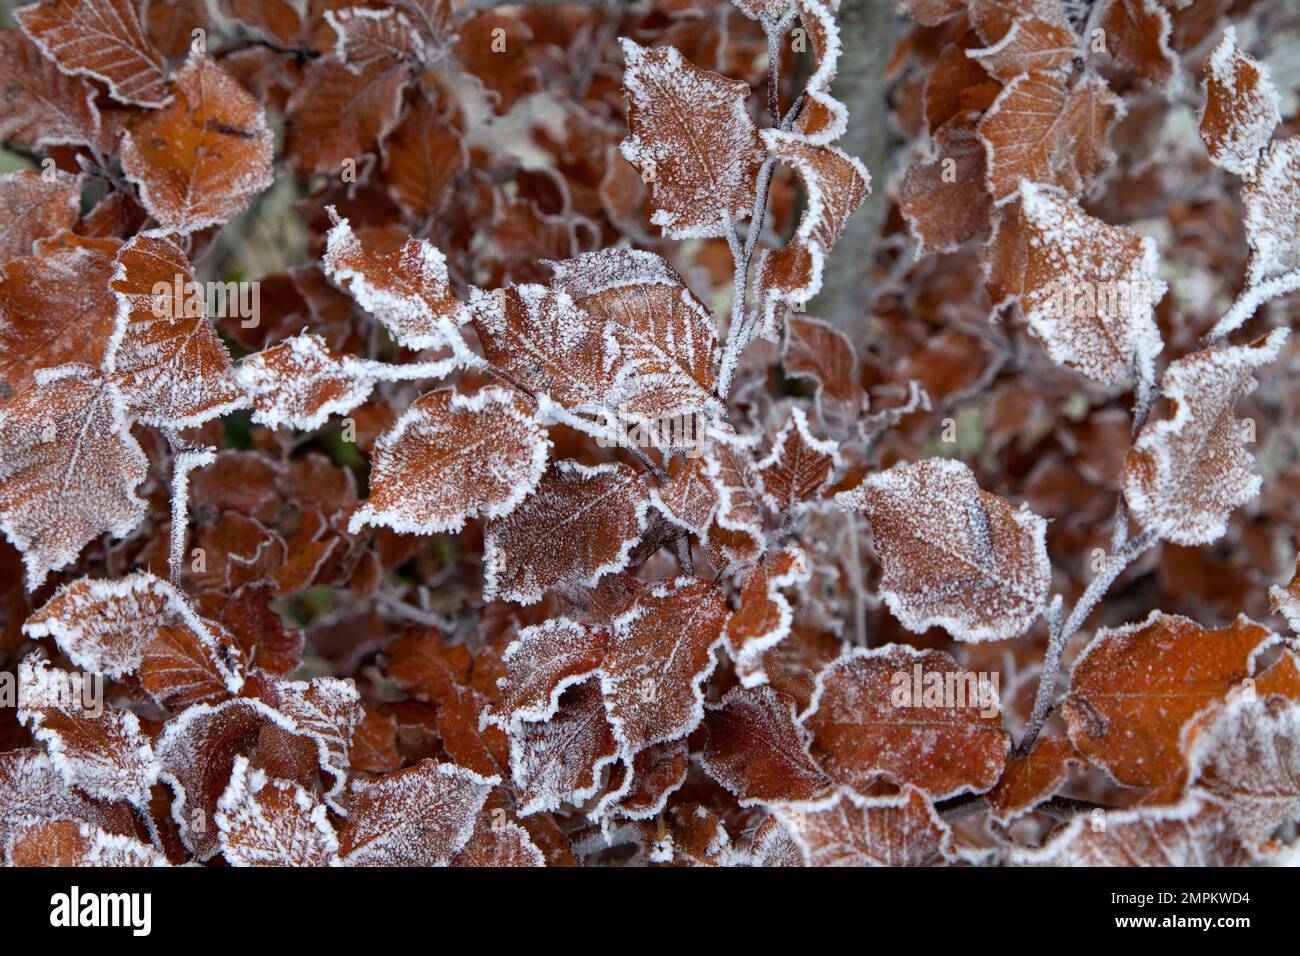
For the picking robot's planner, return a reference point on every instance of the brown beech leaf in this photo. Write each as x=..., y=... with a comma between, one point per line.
x=688, y=499
x=664, y=333
x=543, y=339
x=1246, y=760
x=849, y=830
x=1187, y=472
x=1138, y=34
x=1189, y=833
x=952, y=554
x=374, y=744
x=68, y=468
x=822, y=119
x=957, y=85
x=773, y=846
x=1040, y=131
x=205, y=156
x=43, y=105
x=1135, y=687
x=420, y=816
x=69, y=270
x=497, y=842
x=166, y=356
x=67, y=843
x=32, y=789
x=324, y=710
x=1030, y=44
x=1271, y=226
x=764, y=617
x=182, y=666
x=836, y=184
x=35, y=208
x=366, y=36
x=1241, y=108
x=692, y=139
x=577, y=525
x=277, y=19
x=657, y=772
x=1027, y=782
x=560, y=759
x=930, y=13
x=103, y=751
x=451, y=456
x=818, y=351
x=338, y=112
x=758, y=751
x=763, y=9
x=909, y=717
x=798, y=467
x=1090, y=289
x=993, y=19
x=423, y=158
x=406, y=290
x=102, y=39
x=266, y=822
x=943, y=195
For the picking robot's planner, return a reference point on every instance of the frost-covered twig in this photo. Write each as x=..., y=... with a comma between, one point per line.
x=1251, y=298
x=185, y=461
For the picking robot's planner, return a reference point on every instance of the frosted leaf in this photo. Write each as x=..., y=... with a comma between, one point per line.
x=32, y=789
x=100, y=749
x=182, y=666
x=695, y=836
x=365, y=36
x=763, y=617
x=1189, y=833
x=499, y=844
x=544, y=340
x=1040, y=132
x=763, y=10
x=1031, y=780
x=1187, y=472
x=338, y=111
x=1090, y=289
x=467, y=738
x=1246, y=760
x=68, y=843
x=205, y=156
x=660, y=654
x=43, y=105
x=35, y=208
x=822, y=119
x=326, y=710
x=1241, y=108
x=406, y=290
x=943, y=195
x=1138, y=35
x=930, y=13
x=102, y=39
x=849, y=830
x=798, y=467
x=560, y=760
x=835, y=185
x=1272, y=226
x=773, y=846
x=693, y=138
x=657, y=772
x=579, y=524
x=822, y=353
x=267, y=822
x=197, y=750
x=420, y=816
x=449, y=457
x=1030, y=44
x=688, y=499
x=68, y=469
x=422, y=159
x=909, y=717
x=1134, y=688
x=165, y=355
x=952, y=554
x=758, y=752
x=543, y=662
x=730, y=466
x=667, y=337
x=56, y=307
x=993, y=19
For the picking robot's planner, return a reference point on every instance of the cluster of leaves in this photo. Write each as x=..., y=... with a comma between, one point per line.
x=506, y=617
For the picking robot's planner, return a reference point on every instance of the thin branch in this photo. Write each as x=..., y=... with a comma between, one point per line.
x=1251, y=298
x=185, y=459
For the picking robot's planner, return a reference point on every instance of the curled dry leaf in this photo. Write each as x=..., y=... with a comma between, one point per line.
x=205, y=156
x=36, y=207
x=1135, y=687
x=1187, y=472
x=907, y=716
x=850, y=830
x=692, y=139
x=954, y=555
x=1030, y=44
x=1138, y=36
x=66, y=843
x=267, y=822
x=450, y=457
x=764, y=617
x=798, y=467
x=1241, y=108
x=1026, y=782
